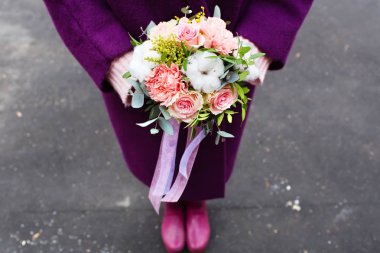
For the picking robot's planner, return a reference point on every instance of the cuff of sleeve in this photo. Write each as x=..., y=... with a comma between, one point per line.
x=118, y=67
x=262, y=63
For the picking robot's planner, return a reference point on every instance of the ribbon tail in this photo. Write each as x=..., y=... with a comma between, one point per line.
x=190, y=150
x=163, y=174
x=187, y=162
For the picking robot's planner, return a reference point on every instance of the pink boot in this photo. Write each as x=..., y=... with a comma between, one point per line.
x=173, y=227
x=197, y=226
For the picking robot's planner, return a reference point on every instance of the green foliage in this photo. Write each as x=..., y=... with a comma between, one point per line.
x=169, y=50
x=149, y=27
x=134, y=42
x=164, y=112
x=165, y=126
x=137, y=99
x=154, y=131
x=225, y=134
x=243, y=50
x=217, y=13
x=147, y=123
x=127, y=75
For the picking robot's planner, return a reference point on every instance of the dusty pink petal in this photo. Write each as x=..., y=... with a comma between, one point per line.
x=222, y=99
x=186, y=107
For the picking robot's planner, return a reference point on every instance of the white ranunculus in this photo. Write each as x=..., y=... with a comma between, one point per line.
x=204, y=72
x=139, y=67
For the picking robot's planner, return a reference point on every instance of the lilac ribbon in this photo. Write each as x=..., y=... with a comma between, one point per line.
x=190, y=149
x=187, y=162
x=163, y=174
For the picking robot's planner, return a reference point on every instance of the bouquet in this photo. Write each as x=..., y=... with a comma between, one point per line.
x=190, y=69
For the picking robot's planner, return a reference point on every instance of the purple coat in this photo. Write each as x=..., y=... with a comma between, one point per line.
x=96, y=32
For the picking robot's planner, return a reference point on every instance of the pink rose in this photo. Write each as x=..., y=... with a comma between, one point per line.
x=186, y=106
x=222, y=99
x=189, y=33
x=217, y=36
x=164, y=84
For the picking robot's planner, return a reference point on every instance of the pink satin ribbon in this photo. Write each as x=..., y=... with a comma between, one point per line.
x=160, y=190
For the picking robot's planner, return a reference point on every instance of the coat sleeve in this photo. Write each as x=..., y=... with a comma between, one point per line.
x=92, y=34
x=272, y=26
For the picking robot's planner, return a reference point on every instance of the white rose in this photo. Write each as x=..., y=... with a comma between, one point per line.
x=139, y=67
x=204, y=72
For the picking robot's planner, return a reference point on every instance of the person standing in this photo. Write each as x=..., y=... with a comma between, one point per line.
x=97, y=33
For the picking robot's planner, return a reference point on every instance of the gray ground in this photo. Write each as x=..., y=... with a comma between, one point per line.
x=306, y=181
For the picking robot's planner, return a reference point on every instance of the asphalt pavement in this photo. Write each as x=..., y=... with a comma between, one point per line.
x=307, y=176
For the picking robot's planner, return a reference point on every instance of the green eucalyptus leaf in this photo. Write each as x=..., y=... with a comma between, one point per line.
x=217, y=139
x=150, y=26
x=154, y=131
x=224, y=74
x=229, y=66
x=137, y=100
x=148, y=107
x=147, y=123
x=232, y=77
x=222, y=85
x=166, y=126
x=165, y=113
x=225, y=134
x=144, y=90
x=217, y=12
x=135, y=85
x=154, y=112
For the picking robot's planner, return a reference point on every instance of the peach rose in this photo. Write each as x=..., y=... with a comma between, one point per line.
x=186, y=106
x=163, y=29
x=222, y=99
x=217, y=36
x=165, y=84
x=189, y=33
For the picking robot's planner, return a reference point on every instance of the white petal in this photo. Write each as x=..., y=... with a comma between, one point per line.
x=139, y=67
x=210, y=83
